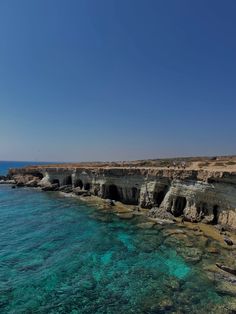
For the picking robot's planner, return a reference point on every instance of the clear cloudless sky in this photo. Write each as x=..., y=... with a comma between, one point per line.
x=117, y=79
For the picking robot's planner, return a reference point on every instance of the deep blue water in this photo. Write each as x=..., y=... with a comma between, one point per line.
x=59, y=255
x=6, y=165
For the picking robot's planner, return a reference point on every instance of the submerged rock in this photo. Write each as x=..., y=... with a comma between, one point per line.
x=165, y=304
x=146, y=225
x=125, y=215
x=190, y=254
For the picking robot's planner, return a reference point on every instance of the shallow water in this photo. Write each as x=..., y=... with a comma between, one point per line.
x=59, y=255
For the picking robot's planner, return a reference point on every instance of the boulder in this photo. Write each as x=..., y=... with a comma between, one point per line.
x=228, y=241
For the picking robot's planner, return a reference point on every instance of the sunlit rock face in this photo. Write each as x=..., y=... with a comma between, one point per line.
x=201, y=201
x=196, y=195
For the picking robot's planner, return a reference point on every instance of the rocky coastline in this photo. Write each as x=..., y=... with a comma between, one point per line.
x=194, y=195
x=196, y=207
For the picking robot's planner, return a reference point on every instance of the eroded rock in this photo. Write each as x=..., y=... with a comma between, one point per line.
x=196, y=195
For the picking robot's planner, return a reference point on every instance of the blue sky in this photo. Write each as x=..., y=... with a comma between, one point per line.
x=117, y=79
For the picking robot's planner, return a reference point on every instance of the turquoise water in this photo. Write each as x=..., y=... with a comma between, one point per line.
x=59, y=255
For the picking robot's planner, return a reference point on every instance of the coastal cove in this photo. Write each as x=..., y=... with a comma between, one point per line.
x=68, y=253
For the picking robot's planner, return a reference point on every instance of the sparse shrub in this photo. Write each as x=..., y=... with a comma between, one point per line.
x=230, y=163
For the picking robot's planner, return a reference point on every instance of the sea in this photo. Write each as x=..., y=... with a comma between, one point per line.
x=60, y=255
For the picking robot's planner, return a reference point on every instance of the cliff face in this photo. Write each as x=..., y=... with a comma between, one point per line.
x=197, y=195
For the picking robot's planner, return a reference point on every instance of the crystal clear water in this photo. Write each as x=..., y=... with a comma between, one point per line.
x=59, y=255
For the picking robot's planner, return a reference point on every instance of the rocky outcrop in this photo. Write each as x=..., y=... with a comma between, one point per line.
x=196, y=195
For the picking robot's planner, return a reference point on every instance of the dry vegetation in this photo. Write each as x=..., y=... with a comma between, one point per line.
x=219, y=163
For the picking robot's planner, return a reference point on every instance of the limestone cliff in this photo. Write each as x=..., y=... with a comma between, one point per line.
x=197, y=195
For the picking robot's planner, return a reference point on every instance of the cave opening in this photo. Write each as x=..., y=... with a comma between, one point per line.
x=87, y=186
x=179, y=206
x=135, y=195
x=158, y=197
x=215, y=214
x=68, y=181
x=113, y=192
x=78, y=183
